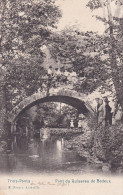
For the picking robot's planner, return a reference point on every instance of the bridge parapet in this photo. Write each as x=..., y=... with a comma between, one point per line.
x=67, y=91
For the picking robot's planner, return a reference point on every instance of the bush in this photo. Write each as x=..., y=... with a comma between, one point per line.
x=108, y=144
x=104, y=143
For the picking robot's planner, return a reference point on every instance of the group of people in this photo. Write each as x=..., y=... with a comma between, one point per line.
x=61, y=74
x=81, y=123
x=106, y=115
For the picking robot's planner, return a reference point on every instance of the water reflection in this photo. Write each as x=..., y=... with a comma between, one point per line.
x=42, y=155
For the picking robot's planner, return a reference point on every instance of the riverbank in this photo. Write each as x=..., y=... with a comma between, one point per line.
x=102, y=147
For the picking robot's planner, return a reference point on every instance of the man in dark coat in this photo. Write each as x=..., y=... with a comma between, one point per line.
x=108, y=115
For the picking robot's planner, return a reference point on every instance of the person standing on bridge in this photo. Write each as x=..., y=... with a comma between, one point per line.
x=117, y=113
x=57, y=74
x=50, y=71
x=63, y=78
x=101, y=113
x=108, y=114
x=73, y=76
x=97, y=107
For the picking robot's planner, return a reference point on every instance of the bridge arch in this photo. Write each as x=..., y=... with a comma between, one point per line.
x=70, y=97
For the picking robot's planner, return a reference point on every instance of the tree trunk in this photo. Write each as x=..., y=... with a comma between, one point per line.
x=2, y=104
x=118, y=83
x=3, y=117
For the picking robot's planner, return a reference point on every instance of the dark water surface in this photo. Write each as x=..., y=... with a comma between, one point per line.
x=41, y=156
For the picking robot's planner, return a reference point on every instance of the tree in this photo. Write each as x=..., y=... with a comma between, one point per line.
x=26, y=26
x=97, y=58
x=115, y=40
x=25, y=29
x=107, y=141
x=82, y=52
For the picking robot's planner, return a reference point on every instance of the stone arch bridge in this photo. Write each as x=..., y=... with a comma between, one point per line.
x=61, y=94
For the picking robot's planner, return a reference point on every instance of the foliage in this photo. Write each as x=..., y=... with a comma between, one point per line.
x=103, y=145
x=95, y=4
x=107, y=144
x=96, y=59
x=52, y=115
x=24, y=121
x=46, y=115
x=83, y=53
x=26, y=27
x=115, y=43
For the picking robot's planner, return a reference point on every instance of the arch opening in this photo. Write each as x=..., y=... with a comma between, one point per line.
x=74, y=102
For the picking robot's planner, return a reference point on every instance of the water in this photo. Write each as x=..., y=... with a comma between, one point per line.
x=41, y=156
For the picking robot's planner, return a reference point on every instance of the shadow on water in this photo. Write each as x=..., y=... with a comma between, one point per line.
x=40, y=156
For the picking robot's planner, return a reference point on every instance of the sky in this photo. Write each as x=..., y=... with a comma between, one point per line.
x=75, y=13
